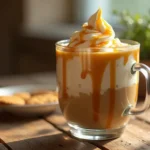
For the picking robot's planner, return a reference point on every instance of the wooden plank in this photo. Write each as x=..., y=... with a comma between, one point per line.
x=53, y=142
x=35, y=134
x=145, y=116
x=2, y=147
x=18, y=128
x=140, y=128
x=58, y=120
x=135, y=136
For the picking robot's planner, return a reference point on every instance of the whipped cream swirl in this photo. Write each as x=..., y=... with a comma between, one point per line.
x=94, y=33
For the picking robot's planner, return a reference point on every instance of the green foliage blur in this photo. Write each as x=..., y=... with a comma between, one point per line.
x=137, y=28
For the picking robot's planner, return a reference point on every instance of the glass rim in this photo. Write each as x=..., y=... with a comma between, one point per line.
x=133, y=45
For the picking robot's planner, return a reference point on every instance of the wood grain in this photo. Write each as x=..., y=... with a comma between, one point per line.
x=58, y=120
x=49, y=133
x=135, y=137
x=53, y=142
x=2, y=147
x=36, y=134
x=17, y=128
x=145, y=116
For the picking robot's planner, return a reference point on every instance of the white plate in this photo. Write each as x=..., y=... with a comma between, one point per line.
x=28, y=110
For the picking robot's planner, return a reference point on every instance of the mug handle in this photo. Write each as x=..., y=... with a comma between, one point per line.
x=145, y=70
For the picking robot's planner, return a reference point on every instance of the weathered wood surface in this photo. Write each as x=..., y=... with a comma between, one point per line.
x=135, y=137
x=36, y=134
x=17, y=128
x=55, y=142
x=52, y=132
x=145, y=116
x=2, y=147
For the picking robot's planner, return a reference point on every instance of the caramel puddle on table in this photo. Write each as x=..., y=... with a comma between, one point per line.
x=94, y=64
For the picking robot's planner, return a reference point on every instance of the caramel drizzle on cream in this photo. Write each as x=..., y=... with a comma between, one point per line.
x=97, y=34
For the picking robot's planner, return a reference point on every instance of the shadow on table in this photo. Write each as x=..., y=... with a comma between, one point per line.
x=8, y=120
x=53, y=142
x=22, y=125
x=62, y=142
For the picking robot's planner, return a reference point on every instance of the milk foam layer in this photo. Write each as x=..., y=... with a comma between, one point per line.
x=78, y=85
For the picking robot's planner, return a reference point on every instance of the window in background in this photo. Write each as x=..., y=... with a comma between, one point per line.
x=85, y=8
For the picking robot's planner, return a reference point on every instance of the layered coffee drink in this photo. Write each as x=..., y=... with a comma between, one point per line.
x=94, y=76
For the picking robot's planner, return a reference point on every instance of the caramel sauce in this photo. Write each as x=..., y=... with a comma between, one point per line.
x=93, y=41
x=81, y=34
x=96, y=73
x=84, y=62
x=136, y=57
x=64, y=63
x=98, y=62
x=126, y=59
x=136, y=94
x=112, y=92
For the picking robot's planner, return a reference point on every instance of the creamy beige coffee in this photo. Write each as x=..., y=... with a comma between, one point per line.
x=80, y=110
x=94, y=76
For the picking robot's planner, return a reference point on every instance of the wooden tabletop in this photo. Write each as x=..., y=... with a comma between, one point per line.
x=52, y=132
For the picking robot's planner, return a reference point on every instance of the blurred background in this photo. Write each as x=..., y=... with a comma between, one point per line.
x=30, y=28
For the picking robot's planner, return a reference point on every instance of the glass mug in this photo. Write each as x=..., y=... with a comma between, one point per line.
x=98, y=88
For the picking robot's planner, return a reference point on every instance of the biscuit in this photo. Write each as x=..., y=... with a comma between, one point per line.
x=23, y=95
x=43, y=99
x=11, y=100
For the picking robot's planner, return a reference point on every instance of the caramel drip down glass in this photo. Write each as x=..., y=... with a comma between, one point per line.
x=98, y=88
